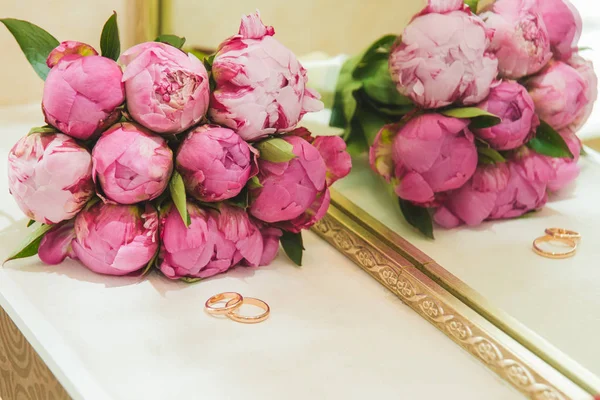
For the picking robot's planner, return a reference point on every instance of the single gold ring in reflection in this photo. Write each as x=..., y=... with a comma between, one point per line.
x=563, y=233
x=253, y=319
x=235, y=301
x=556, y=255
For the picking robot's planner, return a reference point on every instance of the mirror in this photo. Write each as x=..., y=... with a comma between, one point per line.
x=552, y=307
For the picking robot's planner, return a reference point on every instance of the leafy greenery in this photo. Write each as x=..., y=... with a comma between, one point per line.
x=418, y=217
x=366, y=97
x=549, y=142
x=42, y=129
x=242, y=200
x=473, y=4
x=293, y=246
x=275, y=150
x=30, y=245
x=110, y=44
x=254, y=183
x=177, y=189
x=35, y=43
x=480, y=118
x=151, y=264
x=487, y=155
x=173, y=40
x=190, y=280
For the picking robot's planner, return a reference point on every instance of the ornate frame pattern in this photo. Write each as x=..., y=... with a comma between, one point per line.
x=513, y=363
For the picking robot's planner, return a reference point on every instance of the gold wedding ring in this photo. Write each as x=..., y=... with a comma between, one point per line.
x=555, y=255
x=235, y=316
x=563, y=233
x=234, y=301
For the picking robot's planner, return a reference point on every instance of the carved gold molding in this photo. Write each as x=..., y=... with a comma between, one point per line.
x=522, y=369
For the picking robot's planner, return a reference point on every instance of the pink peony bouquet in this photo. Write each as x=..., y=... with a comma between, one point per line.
x=155, y=159
x=471, y=114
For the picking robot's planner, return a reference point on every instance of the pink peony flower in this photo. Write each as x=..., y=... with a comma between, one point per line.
x=560, y=94
x=69, y=48
x=56, y=245
x=564, y=26
x=520, y=40
x=567, y=169
x=429, y=154
x=289, y=188
x=473, y=203
x=526, y=188
x=167, y=90
x=315, y=212
x=443, y=6
x=586, y=70
x=443, y=59
x=260, y=85
x=114, y=239
x=235, y=225
x=271, y=238
x=131, y=164
x=50, y=176
x=511, y=102
x=211, y=245
x=337, y=159
x=215, y=163
x=81, y=95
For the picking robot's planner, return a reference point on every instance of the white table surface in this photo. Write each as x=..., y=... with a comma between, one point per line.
x=334, y=332
x=558, y=299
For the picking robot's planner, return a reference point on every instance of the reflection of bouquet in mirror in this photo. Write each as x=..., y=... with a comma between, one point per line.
x=472, y=113
x=156, y=159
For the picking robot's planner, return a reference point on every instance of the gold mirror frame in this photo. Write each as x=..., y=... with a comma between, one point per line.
x=516, y=354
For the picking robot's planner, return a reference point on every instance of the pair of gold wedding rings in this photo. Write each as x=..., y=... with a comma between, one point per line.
x=233, y=303
x=565, y=236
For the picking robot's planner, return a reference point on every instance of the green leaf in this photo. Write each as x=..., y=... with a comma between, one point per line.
x=549, y=142
x=293, y=246
x=254, y=183
x=378, y=51
x=200, y=54
x=584, y=48
x=92, y=202
x=481, y=118
x=190, y=280
x=242, y=200
x=30, y=222
x=208, y=61
x=371, y=123
x=35, y=43
x=29, y=246
x=357, y=147
x=487, y=155
x=159, y=202
x=175, y=41
x=344, y=102
x=472, y=5
x=42, y=129
x=379, y=87
x=150, y=264
x=418, y=217
x=177, y=189
x=275, y=150
x=110, y=44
